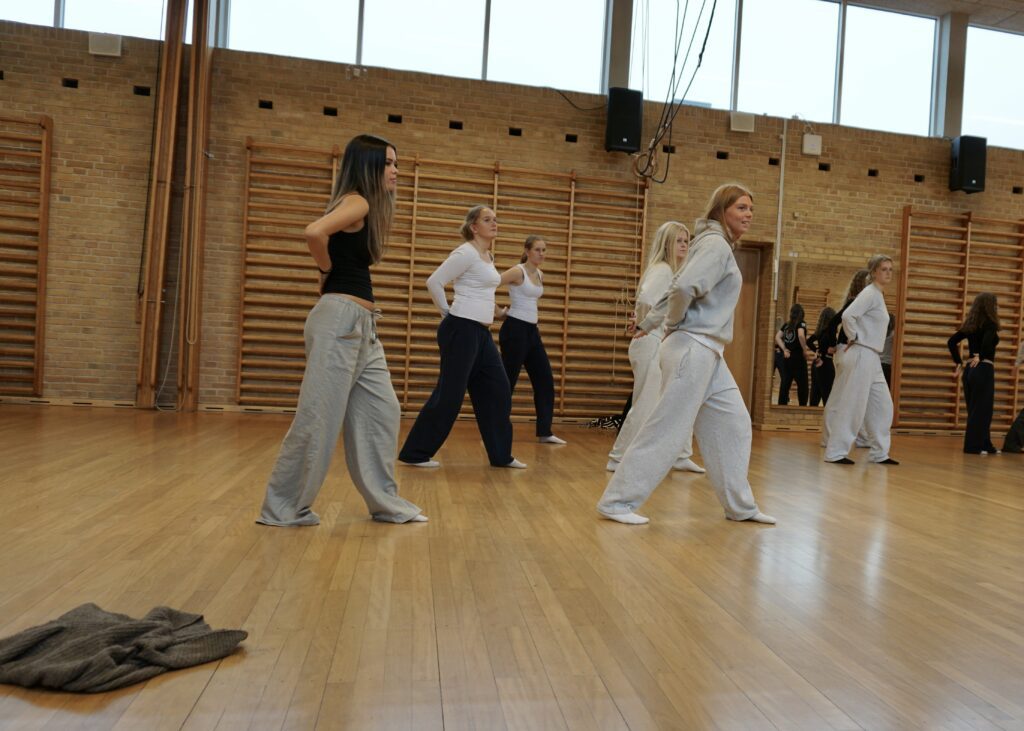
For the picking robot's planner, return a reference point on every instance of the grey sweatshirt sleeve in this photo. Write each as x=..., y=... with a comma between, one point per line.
x=705, y=267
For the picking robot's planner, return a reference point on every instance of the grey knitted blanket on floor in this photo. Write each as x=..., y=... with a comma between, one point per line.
x=89, y=650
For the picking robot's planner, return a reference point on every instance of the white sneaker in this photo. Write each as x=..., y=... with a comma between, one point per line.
x=551, y=439
x=688, y=465
x=630, y=518
x=428, y=463
x=758, y=517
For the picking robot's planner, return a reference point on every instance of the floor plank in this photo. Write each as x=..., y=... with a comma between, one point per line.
x=884, y=598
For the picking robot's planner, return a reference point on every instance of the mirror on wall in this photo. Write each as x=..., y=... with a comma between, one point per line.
x=805, y=377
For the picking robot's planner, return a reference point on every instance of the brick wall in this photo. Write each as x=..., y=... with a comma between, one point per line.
x=102, y=141
x=835, y=218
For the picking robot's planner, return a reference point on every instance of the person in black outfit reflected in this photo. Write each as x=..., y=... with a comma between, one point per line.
x=823, y=370
x=792, y=340
x=980, y=329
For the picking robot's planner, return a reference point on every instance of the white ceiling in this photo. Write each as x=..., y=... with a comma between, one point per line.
x=1004, y=14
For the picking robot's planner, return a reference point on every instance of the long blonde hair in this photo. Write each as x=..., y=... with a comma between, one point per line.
x=663, y=247
x=723, y=197
x=362, y=172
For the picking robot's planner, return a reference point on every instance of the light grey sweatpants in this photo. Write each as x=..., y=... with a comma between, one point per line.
x=699, y=398
x=861, y=433
x=346, y=383
x=860, y=400
x=646, y=362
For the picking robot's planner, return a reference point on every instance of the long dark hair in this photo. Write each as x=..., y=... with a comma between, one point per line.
x=823, y=320
x=362, y=172
x=796, y=316
x=983, y=310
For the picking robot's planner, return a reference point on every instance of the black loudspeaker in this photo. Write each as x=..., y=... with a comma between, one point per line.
x=625, y=121
x=967, y=165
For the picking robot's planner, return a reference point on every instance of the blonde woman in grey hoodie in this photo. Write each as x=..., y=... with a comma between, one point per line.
x=699, y=396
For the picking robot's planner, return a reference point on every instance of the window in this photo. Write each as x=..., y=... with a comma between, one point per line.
x=547, y=43
x=887, y=71
x=138, y=18
x=39, y=12
x=788, y=58
x=441, y=37
x=655, y=31
x=993, y=104
x=322, y=29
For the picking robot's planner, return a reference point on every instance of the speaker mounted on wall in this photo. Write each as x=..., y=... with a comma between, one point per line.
x=625, y=122
x=967, y=164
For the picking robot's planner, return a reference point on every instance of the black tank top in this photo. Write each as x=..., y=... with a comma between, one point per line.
x=350, y=264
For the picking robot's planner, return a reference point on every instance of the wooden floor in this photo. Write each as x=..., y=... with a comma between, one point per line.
x=886, y=598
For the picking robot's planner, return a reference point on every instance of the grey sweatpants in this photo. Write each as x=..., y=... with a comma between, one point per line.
x=646, y=362
x=860, y=401
x=862, y=435
x=346, y=384
x=699, y=398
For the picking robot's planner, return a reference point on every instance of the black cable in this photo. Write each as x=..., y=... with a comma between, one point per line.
x=671, y=110
x=574, y=104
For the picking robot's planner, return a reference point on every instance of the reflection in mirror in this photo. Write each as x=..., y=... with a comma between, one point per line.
x=807, y=291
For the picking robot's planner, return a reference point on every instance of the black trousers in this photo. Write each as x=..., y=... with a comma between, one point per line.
x=470, y=361
x=980, y=392
x=521, y=346
x=795, y=370
x=822, y=378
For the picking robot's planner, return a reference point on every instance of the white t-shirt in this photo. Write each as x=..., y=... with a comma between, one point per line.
x=474, y=283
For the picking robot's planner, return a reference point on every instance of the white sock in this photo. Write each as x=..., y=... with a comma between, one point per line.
x=551, y=439
x=516, y=464
x=685, y=464
x=760, y=517
x=428, y=463
x=421, y=518
x=612, y=465
x=630, y=518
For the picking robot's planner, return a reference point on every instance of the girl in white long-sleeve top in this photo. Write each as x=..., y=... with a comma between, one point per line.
x=860, y=394
x=699, y=396
x=668, y=254
x=469, y=359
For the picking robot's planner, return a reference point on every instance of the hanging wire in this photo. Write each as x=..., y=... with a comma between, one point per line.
x=646, y=163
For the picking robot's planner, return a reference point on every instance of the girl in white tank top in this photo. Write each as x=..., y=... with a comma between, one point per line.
x=520, y=339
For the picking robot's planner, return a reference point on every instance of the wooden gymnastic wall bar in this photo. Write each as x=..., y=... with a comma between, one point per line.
x=594, y=228
x=946, y=260
x=26, y=144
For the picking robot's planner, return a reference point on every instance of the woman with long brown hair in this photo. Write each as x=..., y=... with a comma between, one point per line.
x=981, y=331
x=346, y=386
x=792, y=340
x=699, y=396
